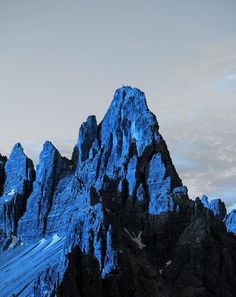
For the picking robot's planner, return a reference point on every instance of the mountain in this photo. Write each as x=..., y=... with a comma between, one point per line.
x=114, y=221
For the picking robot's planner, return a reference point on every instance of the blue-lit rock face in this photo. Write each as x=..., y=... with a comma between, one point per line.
x=19, y=171
x=124, y=148
x=87, y=135
x=230, y=221
x=18, y=179
x=131, y=174
x=52, y=167
x=89, y=231
x=115, y=220
x=215, y=205
x=124, y=122
x=159, y=186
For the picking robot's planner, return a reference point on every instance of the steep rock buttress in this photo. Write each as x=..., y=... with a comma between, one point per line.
x=17, y=176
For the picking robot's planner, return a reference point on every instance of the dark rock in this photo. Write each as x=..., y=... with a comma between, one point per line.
x=203, y=261
x=216, y=206
x=2, y=172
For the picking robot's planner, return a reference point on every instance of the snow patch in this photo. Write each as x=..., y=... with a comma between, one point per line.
x=137, y=239
x=55, y=239
x=168, y=263
x=13, y=241
x=41, y=241
x=11, y=193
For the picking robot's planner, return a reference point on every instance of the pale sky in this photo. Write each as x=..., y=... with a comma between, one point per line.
x=61, y=60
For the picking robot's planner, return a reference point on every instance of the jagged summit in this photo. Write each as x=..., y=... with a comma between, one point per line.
x=129, y=119
x=87, y=134
x=48, y=145
x=18, y=175
x=18, y=169
x=17, y=146
x=230, y=221
x=128, y=93
x=216, y=206
x=129, y=102
x=51, y=168
x=114, y=221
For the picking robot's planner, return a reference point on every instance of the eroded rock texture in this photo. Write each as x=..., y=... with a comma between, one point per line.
x=17, y=176
x=216, y=206
x=52, y=167
x=230, y=221
x=115, y=220
x=3, y=160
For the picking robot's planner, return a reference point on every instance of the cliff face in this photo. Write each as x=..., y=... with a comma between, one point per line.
x=3, y=160
x=52, y=167
x=17, y=176
x=115, y=220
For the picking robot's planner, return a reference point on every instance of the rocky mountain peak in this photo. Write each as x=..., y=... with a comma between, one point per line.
x=87, y=135
x=230, y=221
x=51, y=168
x=18, y=169
x=18, y=175
x=125, y=120
x=115, y=220
x=216, y=206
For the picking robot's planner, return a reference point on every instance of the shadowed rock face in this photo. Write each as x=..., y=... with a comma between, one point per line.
x=2, y=172
x=87, y=135
x=116, y=220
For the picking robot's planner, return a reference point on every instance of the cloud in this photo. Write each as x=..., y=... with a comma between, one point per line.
x=231, y=207
x=200, y=127
x=226, y=84
x=33, y=149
